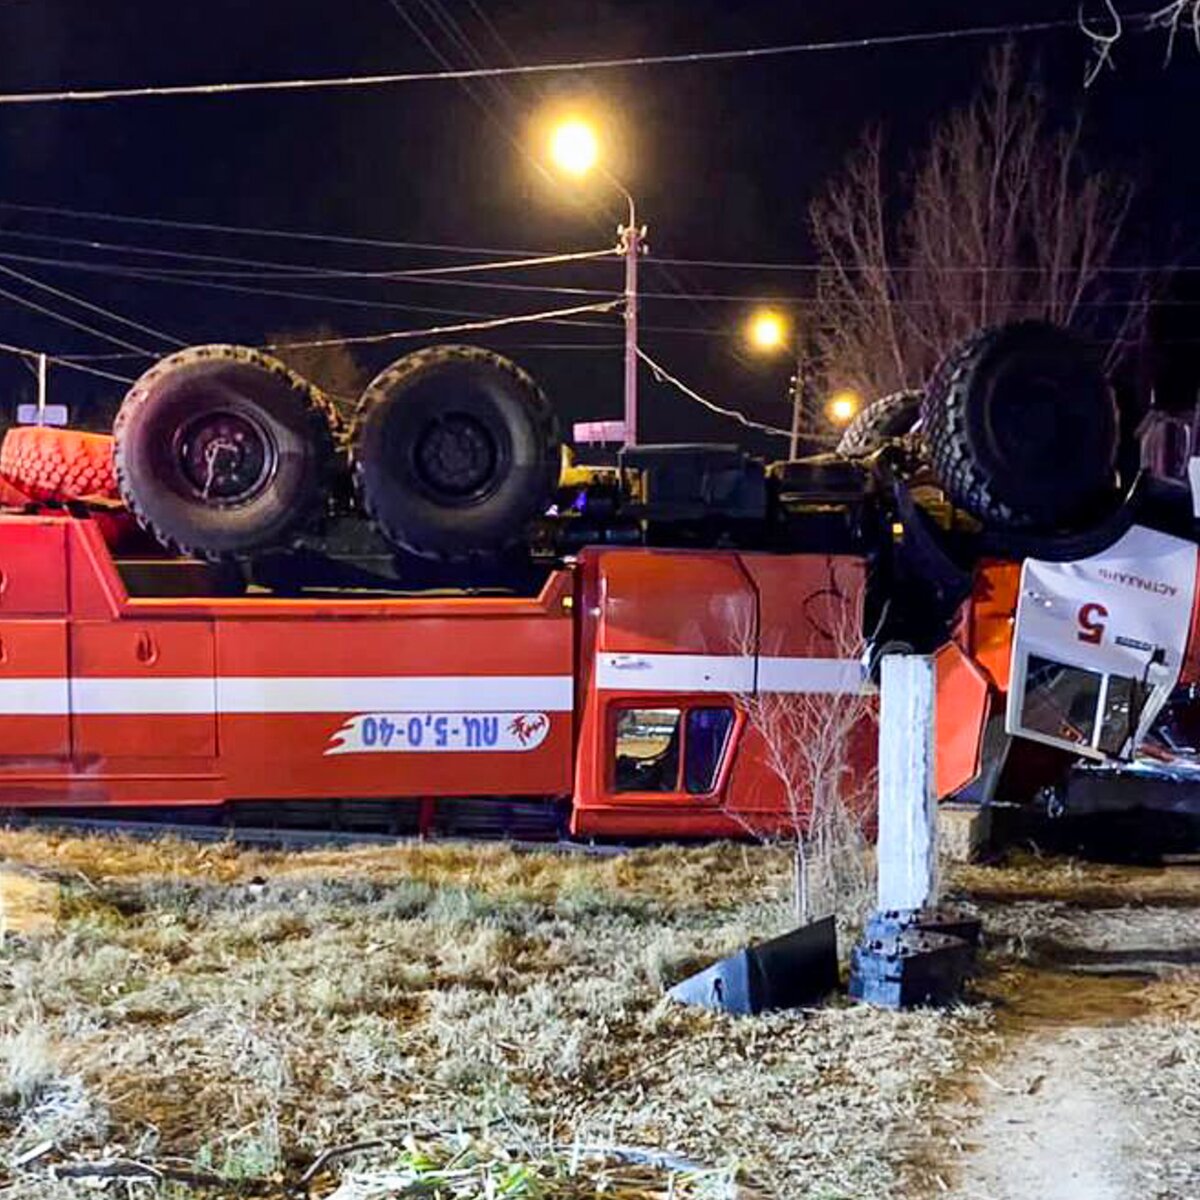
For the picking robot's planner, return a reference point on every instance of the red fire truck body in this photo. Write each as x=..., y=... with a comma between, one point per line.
x=606, y=676
x=113, y=699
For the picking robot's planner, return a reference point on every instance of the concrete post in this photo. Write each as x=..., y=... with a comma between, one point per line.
x=907, y=844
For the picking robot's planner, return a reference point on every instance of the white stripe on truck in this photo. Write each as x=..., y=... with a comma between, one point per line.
x=726, y=673
x=164, y=696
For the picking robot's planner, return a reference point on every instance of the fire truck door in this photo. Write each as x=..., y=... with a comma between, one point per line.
x=1100, y=642
x=143, y=689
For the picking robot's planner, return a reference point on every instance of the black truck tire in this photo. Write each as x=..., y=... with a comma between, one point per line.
x=1021, y=427
x=221, y=451
x=456, y=451
x=883, y=419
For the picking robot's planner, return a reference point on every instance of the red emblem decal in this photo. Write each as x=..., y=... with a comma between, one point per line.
x=524, y=727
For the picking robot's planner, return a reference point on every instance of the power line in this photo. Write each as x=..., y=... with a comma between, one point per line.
x=201, y=278
x=479, y=101
x=745, y=54
x=542, y=260
x=438, y=330
x=606, y=347
x=87, y=304
x=816, y=267
x=520, y=254
x=56, y=210
x=502, y=118
x=66, y=320
x=664, y=376
x=87, y=370
x=151, y=276
x=215, y=279
x=28, y=356
x=273, y=269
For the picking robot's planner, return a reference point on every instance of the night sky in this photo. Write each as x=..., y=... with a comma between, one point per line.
x=723, y=158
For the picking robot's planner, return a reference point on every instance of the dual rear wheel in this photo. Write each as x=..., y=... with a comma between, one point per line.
x=223, y=452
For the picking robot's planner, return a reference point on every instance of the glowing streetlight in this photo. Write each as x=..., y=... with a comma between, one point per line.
x=767, y=331
x=843, y=406
x=575, y=149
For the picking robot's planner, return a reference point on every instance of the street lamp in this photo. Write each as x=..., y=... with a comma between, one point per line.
x=769, y=332
x=843, y=406
x=575, y=149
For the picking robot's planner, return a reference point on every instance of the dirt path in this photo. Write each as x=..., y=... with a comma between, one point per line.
x=1096, y=1092
x=1050, y=1128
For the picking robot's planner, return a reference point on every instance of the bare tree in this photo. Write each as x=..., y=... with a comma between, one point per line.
x=807, y=740
x=1106, y=30
x=1175, y=16
x=1001, y=221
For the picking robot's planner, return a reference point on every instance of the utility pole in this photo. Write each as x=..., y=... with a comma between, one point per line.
x=797, y=402
x=631, y=243
x=41, y=401
x=575, y=147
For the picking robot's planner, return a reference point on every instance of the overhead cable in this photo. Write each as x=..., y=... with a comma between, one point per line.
x=87, y=304
x=851, y=268
x=25, y=302
x=480, y=101
x=252, y=231
x=201, y=275
x=512, y=256
x=28, y=355
x=153, y=276
x=664, y=376
x=224, y=280
x=438, y=330
x=92, y=95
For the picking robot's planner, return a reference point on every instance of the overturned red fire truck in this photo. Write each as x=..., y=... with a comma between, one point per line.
x=420, y=616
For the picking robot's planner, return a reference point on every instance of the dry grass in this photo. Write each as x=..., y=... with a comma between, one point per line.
x=1175, y=997
x=723, y=871
x=241, y=1010
x=1065, y=880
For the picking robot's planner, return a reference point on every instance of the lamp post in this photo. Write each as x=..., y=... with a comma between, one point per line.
x=575, y=148
x=769, y=332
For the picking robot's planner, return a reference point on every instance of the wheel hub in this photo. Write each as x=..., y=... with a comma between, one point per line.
x=456, y=456
x=226, y=458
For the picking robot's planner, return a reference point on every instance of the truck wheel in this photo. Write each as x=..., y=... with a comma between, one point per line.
x=222, y=451
x=59, y=464
x=455, y=452
x=1021, y=427
x=883, y=419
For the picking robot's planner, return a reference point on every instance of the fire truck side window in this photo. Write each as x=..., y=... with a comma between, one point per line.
x=704, y=747
x=1060, y=701
x=647, y=750
x=1123, y=706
